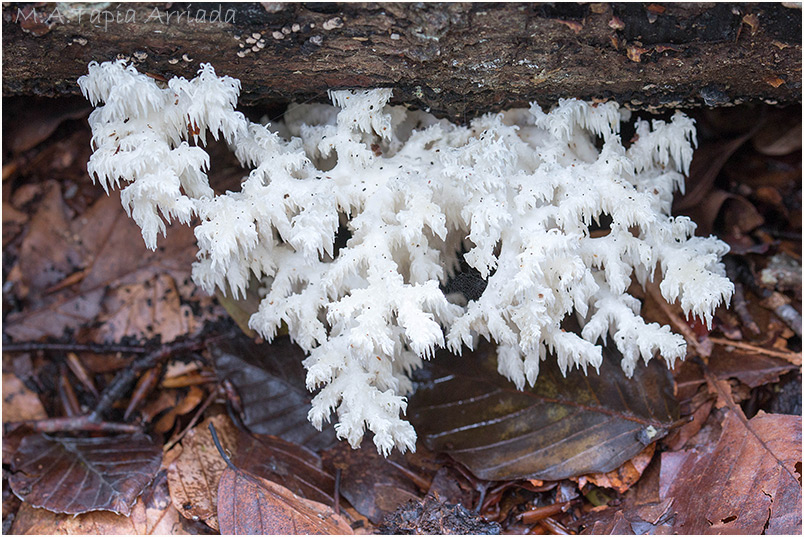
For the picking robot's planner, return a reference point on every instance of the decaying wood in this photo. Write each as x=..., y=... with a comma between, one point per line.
x=454, y=59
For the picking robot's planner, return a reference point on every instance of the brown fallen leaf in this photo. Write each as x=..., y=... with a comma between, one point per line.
x=105, y=247
x=20, y=403
x=35, y=119
x=153, y=514
x=144, y=310
x=781, y=135
x=561, y=427
x=77, y=475
x=13, y=222
x=241, y=310
x=293, y=466
x=645, y=519
x=269, y=380
x=373, y=484
x=750, y=368
x=185, y=404
x=248, y=504
x=635, y=53
x=749, y=484
x=193, y=476
x=623, y=477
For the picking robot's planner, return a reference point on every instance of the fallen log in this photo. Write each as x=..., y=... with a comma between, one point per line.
x=455, y=59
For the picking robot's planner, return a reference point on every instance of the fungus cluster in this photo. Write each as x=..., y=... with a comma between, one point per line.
x=512, y=195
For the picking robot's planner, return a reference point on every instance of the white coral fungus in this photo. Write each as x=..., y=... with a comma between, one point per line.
x=514, y=193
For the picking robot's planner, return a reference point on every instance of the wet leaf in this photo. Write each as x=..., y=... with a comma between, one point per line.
x=146, y=309
x=20, y=403
x=750, y=368
x=152, y=514
x=13, y=222
x=184, y=404
x=646, y=519
x=71, y=270
x=562, y=427
x=242, y=309
x=749, y=484
x=625, y=476
x=373, y=484
x=780, y=135
x=269, y=378
x=707, y=162
x=248, y=504
x=290, y=465
x=77, y=475
x=33, y=122
x=193, y=476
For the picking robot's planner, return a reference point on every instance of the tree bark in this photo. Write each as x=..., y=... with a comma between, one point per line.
x=456, y=60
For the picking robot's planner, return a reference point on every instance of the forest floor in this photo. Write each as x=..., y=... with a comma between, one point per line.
x=115, y=366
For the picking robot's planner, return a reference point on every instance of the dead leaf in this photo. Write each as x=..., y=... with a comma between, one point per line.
x=702, y=404
x=143, y=310
x=241, y=309
x=780, y=136
x=562, y=427
x=185, y=404
x=749, y=484
x=193, y=476
x=36, y=119
x=152, y=514
x=626, y=475
x=293, y=466
x=615, y=23
x=77, y=475
x=645, y=519
x=13, y=222
x=752, y=20
x=707, y=162
x=373, y=484
x=270, y=380
x=20, y=403
x=751, y=369
x=48, y=253
x=106, y=247
x=773, y=81
x=248, y=504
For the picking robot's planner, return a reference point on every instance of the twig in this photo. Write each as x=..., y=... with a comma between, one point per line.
x=123, y=380
x=741, y=307
x=792, y=357
x=75, y=365
x=679, y=323
x=538, y=513
x=147, y=382
x=220, y=449
x=337, y=493
x=175, y=440
x=553, y=526
x=78, y=423
x=67, y=396
x=771, y=300
x=33, y=346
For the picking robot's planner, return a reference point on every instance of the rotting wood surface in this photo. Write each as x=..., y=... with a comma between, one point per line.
x=455, y=59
